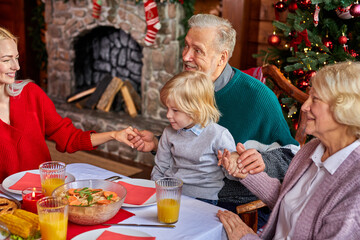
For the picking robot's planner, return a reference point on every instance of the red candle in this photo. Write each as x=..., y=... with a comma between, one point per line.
x=30, y=197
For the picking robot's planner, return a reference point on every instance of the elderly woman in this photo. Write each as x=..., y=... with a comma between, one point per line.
x=320, y=195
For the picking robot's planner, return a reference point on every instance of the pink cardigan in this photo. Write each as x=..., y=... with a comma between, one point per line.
x=33, y=117
x=333, y=212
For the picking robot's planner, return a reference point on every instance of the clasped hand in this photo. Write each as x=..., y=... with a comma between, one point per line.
x=241, y=162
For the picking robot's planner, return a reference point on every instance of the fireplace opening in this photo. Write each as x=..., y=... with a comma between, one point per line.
x=107, y=51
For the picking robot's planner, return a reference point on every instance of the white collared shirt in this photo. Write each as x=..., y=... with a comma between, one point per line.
x=296, y=199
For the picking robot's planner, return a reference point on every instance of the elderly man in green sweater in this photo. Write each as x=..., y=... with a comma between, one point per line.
x=250, y=110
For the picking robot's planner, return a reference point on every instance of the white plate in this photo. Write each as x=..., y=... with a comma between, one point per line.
x=12, y=179
x=143, y=183
x=94, y=234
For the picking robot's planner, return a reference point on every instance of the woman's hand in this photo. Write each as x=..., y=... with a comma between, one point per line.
x=235, y=228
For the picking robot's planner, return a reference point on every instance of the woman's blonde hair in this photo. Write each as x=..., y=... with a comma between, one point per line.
x=339, y=86
x=193, y=93
x=15, y=88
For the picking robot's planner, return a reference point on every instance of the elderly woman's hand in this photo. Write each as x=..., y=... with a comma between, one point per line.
x=235, y=228
x=250, y=160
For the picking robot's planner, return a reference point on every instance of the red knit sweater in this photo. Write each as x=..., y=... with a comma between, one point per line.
x=33, y=118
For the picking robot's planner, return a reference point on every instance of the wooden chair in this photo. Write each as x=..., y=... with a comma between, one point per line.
x=248, y=212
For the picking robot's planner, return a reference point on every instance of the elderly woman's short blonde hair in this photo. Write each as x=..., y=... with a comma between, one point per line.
x=193, y=93
x=339, y=86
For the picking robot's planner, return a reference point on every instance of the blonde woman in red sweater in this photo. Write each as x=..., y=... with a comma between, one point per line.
x=28, y=116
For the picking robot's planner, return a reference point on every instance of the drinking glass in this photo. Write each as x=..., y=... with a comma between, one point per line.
x=53, y=217
x=52, y=175
x=168, y=195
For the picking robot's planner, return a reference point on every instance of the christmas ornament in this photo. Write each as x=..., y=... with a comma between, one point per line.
x=96, y=9
x=344, y=13
x=355, y=9
x=280, y=6
x=304, y=4
x=301, y=36
x=292, y=6
x=309, y=74
x=303, y=84
x=342, y=39
x=298, y=72
x=274, y=40
x=316, y=15
x=327, y=42
x=152, y=21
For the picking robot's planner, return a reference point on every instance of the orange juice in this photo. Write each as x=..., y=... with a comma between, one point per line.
x=53, y=226
x=48, y=185
x=168, y=210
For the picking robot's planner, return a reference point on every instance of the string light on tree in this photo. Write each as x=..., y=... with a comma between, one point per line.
x=304, y=4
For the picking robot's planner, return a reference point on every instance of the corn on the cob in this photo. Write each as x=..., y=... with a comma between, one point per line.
x=28, y=216
x=17, y=225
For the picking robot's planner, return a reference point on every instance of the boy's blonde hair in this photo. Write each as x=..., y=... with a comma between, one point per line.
x=193, y=93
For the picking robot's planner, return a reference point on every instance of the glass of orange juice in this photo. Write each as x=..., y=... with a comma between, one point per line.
x=168, y=195
x=53, y=218
x=52, y=175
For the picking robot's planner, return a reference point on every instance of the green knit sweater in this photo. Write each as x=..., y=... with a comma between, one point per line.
x=251, y=111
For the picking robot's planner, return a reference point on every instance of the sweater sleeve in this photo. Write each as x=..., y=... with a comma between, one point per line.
x=61, y=130
x=163, y=158
x=264, y=187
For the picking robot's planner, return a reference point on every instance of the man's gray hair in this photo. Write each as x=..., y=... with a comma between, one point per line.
x=226, y=37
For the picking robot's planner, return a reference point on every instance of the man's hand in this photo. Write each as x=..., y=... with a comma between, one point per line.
x=250, y=160
x=145, y=141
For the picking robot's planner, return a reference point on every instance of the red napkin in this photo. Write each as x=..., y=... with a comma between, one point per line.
x=28, y=180
x=137, y=195
x=75, y=229
x=107, y=235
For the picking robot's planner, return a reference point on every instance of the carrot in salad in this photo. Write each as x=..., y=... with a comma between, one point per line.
x=103, y=202
x=110, y=195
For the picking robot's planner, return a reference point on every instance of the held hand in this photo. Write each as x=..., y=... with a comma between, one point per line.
x=250, y=160
x=123, y=136
x=230, y=162
x=144, y=141
x=235, y=228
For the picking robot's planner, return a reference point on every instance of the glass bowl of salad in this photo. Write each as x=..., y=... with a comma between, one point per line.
x=92, y=201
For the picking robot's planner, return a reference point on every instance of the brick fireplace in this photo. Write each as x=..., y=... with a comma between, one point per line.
x=68, y=21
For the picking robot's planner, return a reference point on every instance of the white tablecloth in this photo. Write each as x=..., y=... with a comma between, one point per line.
x=197, y=220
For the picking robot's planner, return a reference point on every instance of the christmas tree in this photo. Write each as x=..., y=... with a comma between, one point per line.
x=316, y=33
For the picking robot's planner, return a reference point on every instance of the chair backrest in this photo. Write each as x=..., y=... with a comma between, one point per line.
x=283, y=85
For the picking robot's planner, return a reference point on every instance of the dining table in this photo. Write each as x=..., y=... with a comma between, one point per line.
x=197, y=219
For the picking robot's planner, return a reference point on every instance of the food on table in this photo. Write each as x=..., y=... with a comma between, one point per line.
x=7, y=206
x=21, y=223
x=85, y=197
x=168, y=210
x=48, y=185
x=92, y=201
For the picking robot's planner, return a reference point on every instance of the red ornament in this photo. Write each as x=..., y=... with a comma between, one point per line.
x=309, y=75
x=355, y=10
x=280, y=6
x=304, y=4
x=342, y=40
x=293, y=7
x=299, y=72
x=328, y=43
x=274, y=40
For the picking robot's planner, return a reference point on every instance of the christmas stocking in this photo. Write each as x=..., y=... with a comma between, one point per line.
x=152, y=21
x=96, y=8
